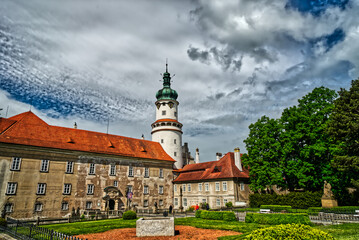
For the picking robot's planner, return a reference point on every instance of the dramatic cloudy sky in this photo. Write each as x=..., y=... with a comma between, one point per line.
x=89, y=61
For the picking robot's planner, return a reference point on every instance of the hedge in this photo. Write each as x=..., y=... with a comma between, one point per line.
x=198, y=213
x=289, y=231
x=277, y=218
x=222, y=215
x=128, y=215
x=3, y=222
x=301, y=200
x=276, y=208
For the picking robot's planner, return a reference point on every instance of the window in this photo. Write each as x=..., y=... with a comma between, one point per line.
x=175, y=154
x=8, y=207
x=225, y=201
x=224, y=186
x=88, y=205
x=130, y=171
x=147, y=172
x=217, y=186
x=175, y=188
x=203, y=200
x=41, y=188
x=218, y=202
x=163, y=113
x=175, y=114
x=11, y=188
x=161, y=202
x=162, y=141
x=206, y=187
x=92, y=169
x=188, y=187
x=199, y=187
x=185, y=202
x=115, y=183
x=90, y=188
x=15, y=164
x=183, y=187
x=38, y=207
x=113, y=170
x=176, y=201
x=44, y=166
x=70, y=167
x=145, y=190
x=145, y=203
x=64, y=206
x=242, y=186
x=130, y=189
x=67, y=188
x=175, y=141
x=161, y=173
x=160, y=190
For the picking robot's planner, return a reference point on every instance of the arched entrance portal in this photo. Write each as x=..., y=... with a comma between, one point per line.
x=111, y=200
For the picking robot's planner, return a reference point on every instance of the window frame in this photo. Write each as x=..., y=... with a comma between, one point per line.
x=176, y=201
x=15, y=164
x=44, y=165
x=92, y=169
x=206, y=187
x=36, y=209
x=67, y=189
x=69, y=164
x=218, y=202
x=174, y=187
x=115, y=183
x=189, y=187
x=217, y=187
x=90, y=187
x=147, y=172
x=145, y=203
x=9, y=207
x=183, y=187
x=160, y=190
x=88, y=205
x=200, y=185
x=41, y=189
x=64, y=203
x=174, y=141
x=130, y=188
x=130, y=171
x=112, y=170
x=241, y=186
x=161, y=173
x=11, y=186
x=175, y=154
x=145, y=190
x=185, y=203
x=163, y=112
x=160, y=202
x=224, y=186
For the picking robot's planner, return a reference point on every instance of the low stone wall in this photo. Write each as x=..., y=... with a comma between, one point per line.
x=155, y=227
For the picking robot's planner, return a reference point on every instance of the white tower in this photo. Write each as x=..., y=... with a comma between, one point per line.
x=166, y=129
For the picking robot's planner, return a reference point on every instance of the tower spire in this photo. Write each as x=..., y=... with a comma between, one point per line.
x=166, y=65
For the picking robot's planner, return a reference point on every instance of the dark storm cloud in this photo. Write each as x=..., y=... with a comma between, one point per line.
x=195, y=54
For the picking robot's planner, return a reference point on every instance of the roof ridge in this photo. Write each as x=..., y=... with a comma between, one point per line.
x=16, y=121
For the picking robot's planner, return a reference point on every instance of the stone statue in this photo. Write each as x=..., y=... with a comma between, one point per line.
x=328, y=200
x=327, y=192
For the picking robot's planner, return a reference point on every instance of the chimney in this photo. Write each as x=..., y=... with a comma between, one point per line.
x=197, y=156
x=237, y=159
x=218, y=155
x=75, y=125
x=143, y=137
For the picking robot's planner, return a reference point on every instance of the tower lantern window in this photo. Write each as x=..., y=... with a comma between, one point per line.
x=163, y=113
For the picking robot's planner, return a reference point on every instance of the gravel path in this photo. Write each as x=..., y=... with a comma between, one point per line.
x=185, y=233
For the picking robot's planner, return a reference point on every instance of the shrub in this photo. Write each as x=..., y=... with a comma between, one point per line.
x=229, y=204
x=229, y=216
x=82, y=217
x=190, y=209
x=276, y=208
x=277, y=218
x=198, y=213
x=3, y=222
x=341, y=210
x=314, y=210
x=204, y=206
x=301, y=200
x=128, y=215
x=289, y=231
x=247, y=210
x=223, y=215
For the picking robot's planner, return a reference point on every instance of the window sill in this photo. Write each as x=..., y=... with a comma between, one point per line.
x=89, y=193
x=44, y=171
x=15, y=170
x=69, y=172
x=40, y=193
x=10, y=193
x=66, y=193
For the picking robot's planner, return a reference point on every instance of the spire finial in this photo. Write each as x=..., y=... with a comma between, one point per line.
x=166, y=64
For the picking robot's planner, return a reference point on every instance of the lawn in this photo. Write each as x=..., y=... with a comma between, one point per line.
x=348, y=231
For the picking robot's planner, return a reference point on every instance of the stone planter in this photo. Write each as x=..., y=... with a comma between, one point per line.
x=155, y=227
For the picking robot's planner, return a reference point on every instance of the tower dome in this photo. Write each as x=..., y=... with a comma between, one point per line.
x=166, y=92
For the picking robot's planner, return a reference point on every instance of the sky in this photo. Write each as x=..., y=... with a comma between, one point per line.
x=97, y=62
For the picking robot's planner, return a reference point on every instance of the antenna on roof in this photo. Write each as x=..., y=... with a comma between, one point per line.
x=143, y=137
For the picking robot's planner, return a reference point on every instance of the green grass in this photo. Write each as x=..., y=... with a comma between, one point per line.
x=348, y=231
x=91, y=226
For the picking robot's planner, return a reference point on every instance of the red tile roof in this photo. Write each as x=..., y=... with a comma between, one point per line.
x=28, y=129
x=223, y=168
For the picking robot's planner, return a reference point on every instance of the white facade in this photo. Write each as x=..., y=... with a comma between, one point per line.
x=167, y=130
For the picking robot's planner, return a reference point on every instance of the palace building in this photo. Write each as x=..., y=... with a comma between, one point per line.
x=216, y=183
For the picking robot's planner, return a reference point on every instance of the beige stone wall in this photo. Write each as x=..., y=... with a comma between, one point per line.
x=215, y=199
x=29, y=175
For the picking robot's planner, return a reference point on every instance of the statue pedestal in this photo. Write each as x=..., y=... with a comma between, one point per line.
x=329, y=203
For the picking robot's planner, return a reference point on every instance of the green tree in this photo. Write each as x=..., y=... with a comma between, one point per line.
x=306, y=156
x=264, y=153
x=343, y=127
